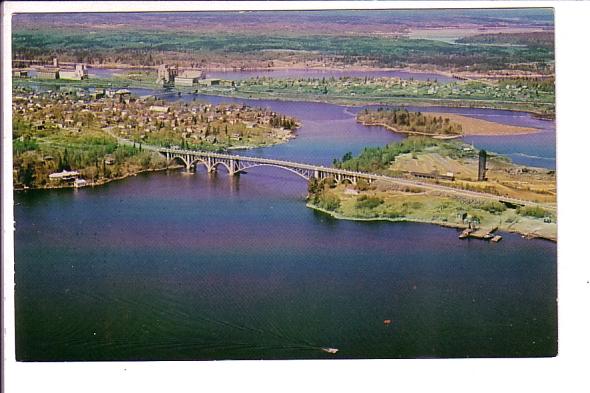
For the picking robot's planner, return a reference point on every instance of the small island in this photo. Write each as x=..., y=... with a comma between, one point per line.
x=436, y=125
x=416, y=123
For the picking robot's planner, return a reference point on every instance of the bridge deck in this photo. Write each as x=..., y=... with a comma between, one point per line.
x=347, y=173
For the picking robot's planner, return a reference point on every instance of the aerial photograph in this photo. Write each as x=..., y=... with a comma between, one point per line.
x=284, y=185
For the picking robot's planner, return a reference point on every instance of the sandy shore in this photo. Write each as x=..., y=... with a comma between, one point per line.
x=390, y=128
x=473, y=126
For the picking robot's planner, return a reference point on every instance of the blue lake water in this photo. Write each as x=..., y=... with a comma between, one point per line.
x=177, y=266
x=173, y=266
x=328, y=130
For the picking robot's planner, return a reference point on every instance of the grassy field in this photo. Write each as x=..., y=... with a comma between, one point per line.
x=387, y=201
x=382, y=204
x=503, y=178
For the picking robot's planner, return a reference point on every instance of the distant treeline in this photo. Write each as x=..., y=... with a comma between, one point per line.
x=151, y=47
x=405, y=121
x=537, y=39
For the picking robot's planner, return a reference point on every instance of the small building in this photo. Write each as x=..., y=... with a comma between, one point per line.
x=185, y=81
x=160, y=108
x=166, y=75
x=48, y=73
x=78, y=73
x=80, y=183
x=97, y=94
x=122, y=95
x=20, y=73
x=64, y=175
x=188, y=78
x=210, y=82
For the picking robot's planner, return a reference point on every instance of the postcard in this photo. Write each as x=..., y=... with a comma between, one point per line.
x=310, y=184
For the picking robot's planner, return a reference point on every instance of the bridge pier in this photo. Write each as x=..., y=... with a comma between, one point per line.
x=234, y=167
x=187, y=159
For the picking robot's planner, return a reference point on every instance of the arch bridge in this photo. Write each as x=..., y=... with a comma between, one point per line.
x=238, y=164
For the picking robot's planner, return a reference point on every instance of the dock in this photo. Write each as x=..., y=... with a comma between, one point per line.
x=486, y=233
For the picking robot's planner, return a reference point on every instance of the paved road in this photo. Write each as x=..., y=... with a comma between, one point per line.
x=373, y=176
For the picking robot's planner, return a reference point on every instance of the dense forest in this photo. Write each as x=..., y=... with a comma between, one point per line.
x=154, y=47
x=537, y=39
x=404, y=121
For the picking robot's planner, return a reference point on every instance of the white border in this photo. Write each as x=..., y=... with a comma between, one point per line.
x=565, y=372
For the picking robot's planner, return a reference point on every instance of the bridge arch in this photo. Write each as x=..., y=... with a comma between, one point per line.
x=275, y=166
x=198, y=161
x=178, y=158
x=216, y=164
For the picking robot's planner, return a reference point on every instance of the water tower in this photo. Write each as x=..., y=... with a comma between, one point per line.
x=481, y=173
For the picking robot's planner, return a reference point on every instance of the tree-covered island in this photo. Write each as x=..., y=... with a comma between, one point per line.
x=400, y=120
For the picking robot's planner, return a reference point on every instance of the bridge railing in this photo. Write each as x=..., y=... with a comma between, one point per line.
x=364, y=175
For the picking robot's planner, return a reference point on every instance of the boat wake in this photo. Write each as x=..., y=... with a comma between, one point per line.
x=532, y=156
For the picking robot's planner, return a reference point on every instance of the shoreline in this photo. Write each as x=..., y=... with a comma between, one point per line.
x=340, y=101
x=339, y=216
x=475, y=126
x=292, y=135
x=524, y=131
x=393, y=129
x=98, y=184
x=455, y=74
x=355, y=103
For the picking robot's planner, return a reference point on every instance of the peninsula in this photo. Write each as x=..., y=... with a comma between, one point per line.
x=76, y=130
x=448, y=163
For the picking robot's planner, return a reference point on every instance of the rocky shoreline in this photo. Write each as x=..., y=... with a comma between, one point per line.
x=339, y=216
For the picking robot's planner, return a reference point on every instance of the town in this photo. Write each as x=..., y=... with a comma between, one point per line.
x=83, y=127
x=527, y=93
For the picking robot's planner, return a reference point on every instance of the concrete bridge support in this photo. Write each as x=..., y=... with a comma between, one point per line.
x=234, y=167
x=210, y=167
x=187, y=159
